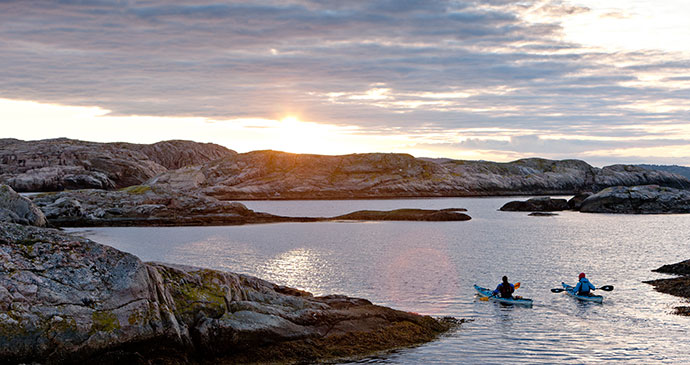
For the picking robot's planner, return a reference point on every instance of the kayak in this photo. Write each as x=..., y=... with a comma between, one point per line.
x=484, y=293
x=589, y=298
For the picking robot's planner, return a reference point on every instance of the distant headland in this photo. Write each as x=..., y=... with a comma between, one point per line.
x=215, y=171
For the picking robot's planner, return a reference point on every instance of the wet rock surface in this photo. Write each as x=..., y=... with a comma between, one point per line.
x=65, y=299
x=646, y=199
x=542, y=204
x=58, y=164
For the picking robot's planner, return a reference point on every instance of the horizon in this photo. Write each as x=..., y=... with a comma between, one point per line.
x=488, y=80
x=355, y=153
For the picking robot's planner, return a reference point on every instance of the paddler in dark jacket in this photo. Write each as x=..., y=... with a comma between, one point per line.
x=583, y=287
x=505, y=288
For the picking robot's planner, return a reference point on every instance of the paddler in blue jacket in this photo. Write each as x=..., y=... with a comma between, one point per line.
x=583, y=287
x=505, y=288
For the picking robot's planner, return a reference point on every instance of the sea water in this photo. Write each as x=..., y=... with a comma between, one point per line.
x=430, y=267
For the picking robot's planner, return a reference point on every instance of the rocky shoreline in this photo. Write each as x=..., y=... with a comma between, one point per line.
x=678, y=286
x=645, y=199
x=66, y=299
x=144, y=205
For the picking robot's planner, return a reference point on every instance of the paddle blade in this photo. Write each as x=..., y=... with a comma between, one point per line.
x=557, y=290
x=517, y=285
x=606, y=288
x=484, y=299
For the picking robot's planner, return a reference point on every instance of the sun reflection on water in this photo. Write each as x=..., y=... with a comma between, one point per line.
x=302, y=268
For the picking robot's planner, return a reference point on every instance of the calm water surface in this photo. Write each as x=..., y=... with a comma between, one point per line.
x=430, y=267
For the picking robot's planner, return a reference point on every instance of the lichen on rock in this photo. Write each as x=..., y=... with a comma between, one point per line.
x=69, y=299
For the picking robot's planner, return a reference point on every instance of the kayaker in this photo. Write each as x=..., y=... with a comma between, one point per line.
x=583, y=286
x=505, y=288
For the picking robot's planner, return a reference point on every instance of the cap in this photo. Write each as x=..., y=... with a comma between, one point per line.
x=582, y=275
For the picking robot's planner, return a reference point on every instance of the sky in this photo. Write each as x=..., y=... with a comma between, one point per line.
x=602, y=81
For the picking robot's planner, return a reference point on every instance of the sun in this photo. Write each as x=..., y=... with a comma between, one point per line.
x=290, y=119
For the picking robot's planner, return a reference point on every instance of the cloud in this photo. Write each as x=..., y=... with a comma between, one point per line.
x=391, y=65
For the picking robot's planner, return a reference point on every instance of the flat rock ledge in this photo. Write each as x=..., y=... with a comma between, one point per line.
x=679, y=286
x=450, y=214
x=65, y=299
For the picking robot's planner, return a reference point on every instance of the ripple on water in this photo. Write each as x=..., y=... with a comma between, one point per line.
x=430, y=267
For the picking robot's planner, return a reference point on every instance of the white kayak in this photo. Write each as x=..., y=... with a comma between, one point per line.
x=488, y=293
x=588, y=298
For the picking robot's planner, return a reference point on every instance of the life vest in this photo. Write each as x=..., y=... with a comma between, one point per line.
x=506, y=290
x=582, y=290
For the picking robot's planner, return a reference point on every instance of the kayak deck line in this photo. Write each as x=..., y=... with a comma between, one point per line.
x=488, y=293
x=570, y=290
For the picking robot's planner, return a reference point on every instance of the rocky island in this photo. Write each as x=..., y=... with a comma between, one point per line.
x=65, y=299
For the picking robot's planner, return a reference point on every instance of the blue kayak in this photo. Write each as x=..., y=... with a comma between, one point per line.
x=488, y=293
x=588, y=298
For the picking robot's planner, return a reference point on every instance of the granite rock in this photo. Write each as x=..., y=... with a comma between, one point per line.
x=65, y=299
x=143, y=205
x=59, y=164
x=15, y=208
x=279, y=175
x=646, y=199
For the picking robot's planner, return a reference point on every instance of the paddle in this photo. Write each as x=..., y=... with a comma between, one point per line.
x=517, y=285
x=604, y=288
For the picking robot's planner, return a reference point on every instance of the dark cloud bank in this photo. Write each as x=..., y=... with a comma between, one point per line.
x=318, y=59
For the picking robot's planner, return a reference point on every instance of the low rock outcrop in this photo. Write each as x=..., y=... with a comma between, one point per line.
x=65, y=299
x=542, y=214
x=451, y=214
x=15, y=208
x=542, y=204
x=279, y=175
x=647, y=199
x=143, y=205
x=680, y=268
x=58, y=164
x=679, y=286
